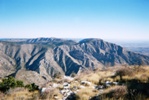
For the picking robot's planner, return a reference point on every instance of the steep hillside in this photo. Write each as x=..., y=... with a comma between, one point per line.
x=51, y=56
x=111, y=54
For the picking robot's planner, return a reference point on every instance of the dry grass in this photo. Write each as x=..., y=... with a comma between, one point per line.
x=74, y=85
x=87, y=93
x=136, y=72
x=116, y=92
x=95, y=77
x=26, y=95
x=2, y=96
x=51, y=94
x=21, y=95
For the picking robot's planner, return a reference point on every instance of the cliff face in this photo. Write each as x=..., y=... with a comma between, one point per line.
x=49, y=56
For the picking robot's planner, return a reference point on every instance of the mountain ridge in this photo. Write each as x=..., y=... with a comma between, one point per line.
x=51, y=56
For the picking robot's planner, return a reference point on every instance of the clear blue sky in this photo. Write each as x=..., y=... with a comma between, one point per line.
x=106, y=19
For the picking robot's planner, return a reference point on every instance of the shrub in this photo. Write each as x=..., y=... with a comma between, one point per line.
x=85, y=94
x=32, y=87
x=117, y=92
x=136, y=87
x=123, y=72
x=10, y=82
x=19, y=83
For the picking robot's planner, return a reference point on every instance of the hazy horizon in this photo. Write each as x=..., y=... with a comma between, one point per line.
x=106, y=19
x=120, y=42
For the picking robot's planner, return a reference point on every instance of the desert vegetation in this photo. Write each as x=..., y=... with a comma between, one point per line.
x=12, y=89
x=110, y=83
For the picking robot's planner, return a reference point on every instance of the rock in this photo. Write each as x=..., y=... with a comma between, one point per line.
x=68, y=78
x=76, y=91
x=46, y=90
x=62, y=92
x=43, y=90
x=99, y=87
x=66, y=85
x=67, y=94
x=115, y=83
x=85, y=83
x=55, y=85
x=108, y=82
x=81, y=86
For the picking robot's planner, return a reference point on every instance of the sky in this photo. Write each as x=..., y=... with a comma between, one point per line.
x=105, y=19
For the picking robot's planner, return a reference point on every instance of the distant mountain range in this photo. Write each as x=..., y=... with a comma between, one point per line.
x=138, y=47
x=45, y=57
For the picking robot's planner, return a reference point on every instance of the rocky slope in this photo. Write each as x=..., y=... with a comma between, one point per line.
x=51, y=56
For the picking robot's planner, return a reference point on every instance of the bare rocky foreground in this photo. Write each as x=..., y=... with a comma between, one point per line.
x=111, y=83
